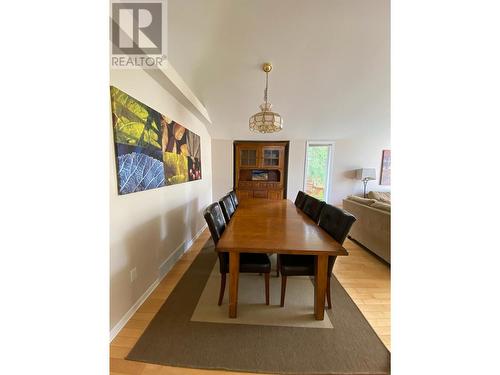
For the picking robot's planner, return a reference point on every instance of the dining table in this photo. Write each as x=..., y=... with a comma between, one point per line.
x=277, y=226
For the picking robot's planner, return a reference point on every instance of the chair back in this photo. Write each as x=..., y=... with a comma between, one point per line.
x=336, y=222
x=300, y=200
x=312, y=207
x=234, y=198
x=217, y=224
x=226, y=204
x=215, y=221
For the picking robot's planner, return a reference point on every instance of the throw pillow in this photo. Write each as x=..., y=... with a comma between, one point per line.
x=382, y=196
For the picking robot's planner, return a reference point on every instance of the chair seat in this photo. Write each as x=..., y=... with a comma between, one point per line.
x=297, y=265
x=252, y=263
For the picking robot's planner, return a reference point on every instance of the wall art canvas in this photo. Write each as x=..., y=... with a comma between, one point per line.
x=385, y=172
x=151, y=149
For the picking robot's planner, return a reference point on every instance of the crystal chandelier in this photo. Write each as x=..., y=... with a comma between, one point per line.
x=266, y=121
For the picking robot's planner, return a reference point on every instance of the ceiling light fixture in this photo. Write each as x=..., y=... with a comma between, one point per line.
x=266, y=121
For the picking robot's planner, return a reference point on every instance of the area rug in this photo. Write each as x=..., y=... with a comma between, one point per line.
x=252, y=308
x=184, y=332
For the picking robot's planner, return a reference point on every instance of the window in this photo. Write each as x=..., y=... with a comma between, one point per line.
x=319, y=157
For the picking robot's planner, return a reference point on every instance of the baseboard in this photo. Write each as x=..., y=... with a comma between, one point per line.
x=118, y=326
x=177, y=253
x=165, y=267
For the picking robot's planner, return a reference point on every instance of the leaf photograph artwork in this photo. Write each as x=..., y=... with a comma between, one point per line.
x=176, y=168
x=174, y=138
x=151, y=149
x=193, y=145
x=135, y=123
x=194, y=169
x=139, y=172
x=138, y=168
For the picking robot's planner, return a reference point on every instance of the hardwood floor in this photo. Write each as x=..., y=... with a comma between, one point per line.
x=365, y=278
x=368, y=281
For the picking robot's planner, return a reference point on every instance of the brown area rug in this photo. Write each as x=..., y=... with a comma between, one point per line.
x=351, y=347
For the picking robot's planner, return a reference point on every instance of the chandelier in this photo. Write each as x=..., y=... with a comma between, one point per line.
x=266, y=121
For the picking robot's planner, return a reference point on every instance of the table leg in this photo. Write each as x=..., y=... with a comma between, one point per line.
x=321, y=270
x=234, y=274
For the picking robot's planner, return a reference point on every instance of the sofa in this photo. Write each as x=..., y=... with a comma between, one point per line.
x=372, y=228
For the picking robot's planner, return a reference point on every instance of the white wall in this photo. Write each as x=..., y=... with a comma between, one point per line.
x=146, y=227
x=362, y=151
x=296, y=165
x=222, y=167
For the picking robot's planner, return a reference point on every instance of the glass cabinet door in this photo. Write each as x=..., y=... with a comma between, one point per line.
x=248, y=157
x=271, y=157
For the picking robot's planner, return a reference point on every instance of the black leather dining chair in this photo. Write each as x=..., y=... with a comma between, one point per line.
x=249, y=262
x=232, y=193
x=227, y=206
x=337, y=224
x=312, y=207
x=300, y=199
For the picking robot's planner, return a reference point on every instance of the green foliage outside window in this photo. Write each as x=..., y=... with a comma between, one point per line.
x=317, y=168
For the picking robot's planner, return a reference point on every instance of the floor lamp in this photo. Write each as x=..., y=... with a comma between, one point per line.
x=365, y=175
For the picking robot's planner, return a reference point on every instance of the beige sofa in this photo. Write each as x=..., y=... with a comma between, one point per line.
x=372, y=228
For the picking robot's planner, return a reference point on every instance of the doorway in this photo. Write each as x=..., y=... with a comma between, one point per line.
x=318, y=169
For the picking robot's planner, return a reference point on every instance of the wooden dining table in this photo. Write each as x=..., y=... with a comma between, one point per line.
x=277, y=226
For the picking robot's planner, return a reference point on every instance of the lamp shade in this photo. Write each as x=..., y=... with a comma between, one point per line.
x=365, y=174
x=266, y=121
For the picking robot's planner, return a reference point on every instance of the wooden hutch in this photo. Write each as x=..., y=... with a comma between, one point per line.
x=260, y=169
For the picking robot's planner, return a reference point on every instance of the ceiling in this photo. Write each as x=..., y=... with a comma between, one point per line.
x=331, y=63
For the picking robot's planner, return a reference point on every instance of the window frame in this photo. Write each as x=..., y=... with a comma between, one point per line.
x=329, y=175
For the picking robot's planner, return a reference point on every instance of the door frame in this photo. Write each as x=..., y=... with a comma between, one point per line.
x=329, y=175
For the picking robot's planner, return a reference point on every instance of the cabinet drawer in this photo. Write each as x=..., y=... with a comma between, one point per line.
x=244, y=194
x=260, y=194
x=245, y=184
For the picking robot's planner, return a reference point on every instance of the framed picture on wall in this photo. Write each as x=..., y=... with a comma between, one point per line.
x=385, y=170
x=152, y=150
